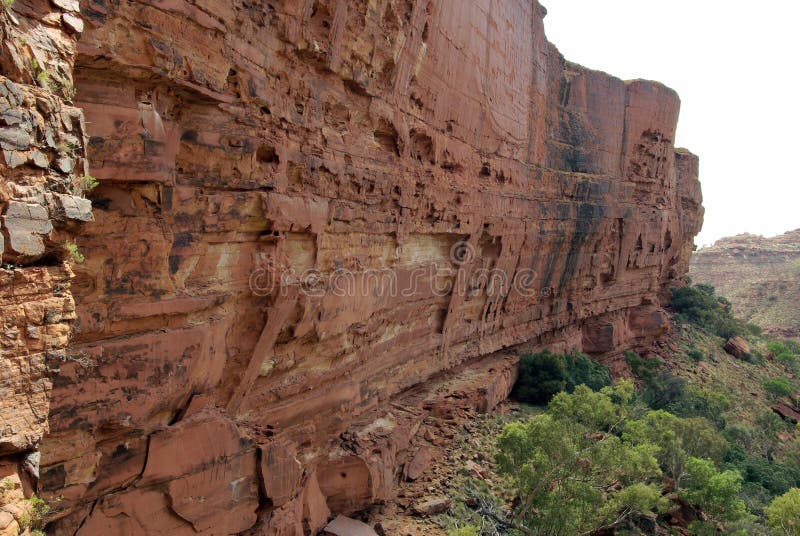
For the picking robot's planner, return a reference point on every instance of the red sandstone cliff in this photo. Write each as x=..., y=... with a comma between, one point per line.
x=315, y=221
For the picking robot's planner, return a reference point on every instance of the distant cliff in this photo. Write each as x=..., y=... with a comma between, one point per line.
x=760, y=276
x=316, y=223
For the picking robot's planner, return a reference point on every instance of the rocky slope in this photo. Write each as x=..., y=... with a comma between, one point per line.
x=760, y=276
x=318, y=222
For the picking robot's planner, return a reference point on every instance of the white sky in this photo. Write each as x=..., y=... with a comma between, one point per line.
x=735, y=65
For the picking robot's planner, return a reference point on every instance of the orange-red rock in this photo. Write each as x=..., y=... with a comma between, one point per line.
x=314, y=221
x=737, y=347
x=42, y=181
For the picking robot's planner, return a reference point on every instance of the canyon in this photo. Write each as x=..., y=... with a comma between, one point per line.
x=760, y=276
x=305, y=227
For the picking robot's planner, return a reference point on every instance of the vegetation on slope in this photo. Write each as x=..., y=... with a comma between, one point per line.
x=695, y=444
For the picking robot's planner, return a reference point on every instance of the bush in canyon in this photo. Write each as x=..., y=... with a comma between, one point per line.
x=783, y=514
x=541, y=376
x=700, y=305
x=544, y=374
x=661, y=389
x=778, y=387
x=581, y=370
x=596, y=460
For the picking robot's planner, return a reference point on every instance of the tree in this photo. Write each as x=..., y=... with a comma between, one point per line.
x=573, y=472
x=783, y=514
x=678, y=440
x=715, y=492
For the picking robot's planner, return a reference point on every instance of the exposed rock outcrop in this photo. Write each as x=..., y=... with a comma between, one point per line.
x=43, y=165
x=318, y=222
x=760, y=276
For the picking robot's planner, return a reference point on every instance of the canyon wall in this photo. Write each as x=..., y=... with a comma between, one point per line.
x=42, y=137
x=760, y=276
x=318, y=222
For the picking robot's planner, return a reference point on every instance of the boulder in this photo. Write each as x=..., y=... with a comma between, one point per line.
x=345, y=526
x=737, y=347
x=432, y=506
x=790, y=413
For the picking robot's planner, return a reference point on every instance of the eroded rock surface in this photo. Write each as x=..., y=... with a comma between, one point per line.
x=42, y=165
x=314, y=222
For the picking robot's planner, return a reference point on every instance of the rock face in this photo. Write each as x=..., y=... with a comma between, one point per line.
x=318, y=222
x=42, y=164
x=760, y=276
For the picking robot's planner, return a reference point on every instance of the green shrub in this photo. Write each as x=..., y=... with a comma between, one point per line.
x=643, y=368
x=778, y=387
x=777, y=348
x=787, y=360
x=74, y=252
x=774, y=477
x=34, y=519
x=88, y=183
x=464, y=531
x=783, y=514
x=581, y=370
x=696, y=354
x=754, y=357
x=545, y=374
x=541, y=376
x=694, y=401
x=753, y=330
x=700, y=305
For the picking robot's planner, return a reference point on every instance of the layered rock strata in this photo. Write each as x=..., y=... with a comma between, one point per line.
x=42, y=164
x=315, y=221
x=760, y=276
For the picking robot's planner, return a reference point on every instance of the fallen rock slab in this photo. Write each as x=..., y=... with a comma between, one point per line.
x=787, y=412
x=419, y=463
x=432, y=506
x=345, y=526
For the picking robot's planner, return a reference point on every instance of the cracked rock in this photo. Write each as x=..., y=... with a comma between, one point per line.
x=14, y=158
x=65, y=164
x=40, y=159
x=74, y=207
x=73, y=22
x=26, y=223
x=67, y=5
x=13, y=138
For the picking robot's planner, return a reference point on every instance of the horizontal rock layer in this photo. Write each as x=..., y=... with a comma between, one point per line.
x=314, y=220
x=760, y=276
